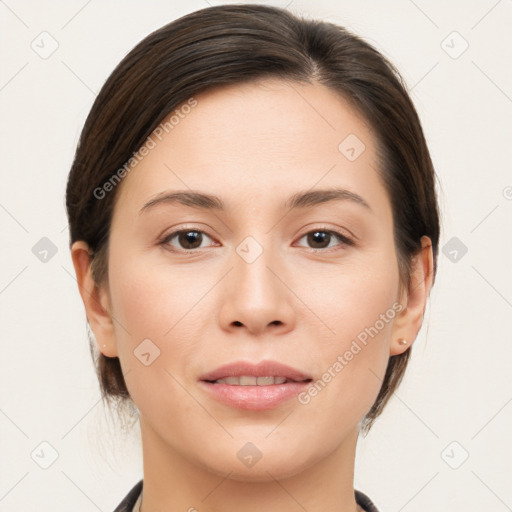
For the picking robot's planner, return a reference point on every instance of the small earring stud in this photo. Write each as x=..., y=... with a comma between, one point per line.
x=402, y=341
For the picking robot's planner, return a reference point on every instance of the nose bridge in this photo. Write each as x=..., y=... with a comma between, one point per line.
x=255, y=296
x=253, y=261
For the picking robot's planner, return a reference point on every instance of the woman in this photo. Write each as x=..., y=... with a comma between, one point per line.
x=254, y=229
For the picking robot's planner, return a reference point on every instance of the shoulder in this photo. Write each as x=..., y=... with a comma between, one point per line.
x=365, y=502
x=129, y=500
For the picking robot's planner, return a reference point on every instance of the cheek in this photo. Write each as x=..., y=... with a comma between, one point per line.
x=149, y=297
x=160, y=316
x=152, y=316
x=359, y=306
x=352, y=298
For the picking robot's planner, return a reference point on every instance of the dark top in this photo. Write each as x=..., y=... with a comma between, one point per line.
x=129, y=500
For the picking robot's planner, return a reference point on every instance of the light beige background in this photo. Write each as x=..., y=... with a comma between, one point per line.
x=458, y=387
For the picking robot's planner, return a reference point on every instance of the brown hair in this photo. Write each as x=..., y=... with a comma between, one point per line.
x=231, y=44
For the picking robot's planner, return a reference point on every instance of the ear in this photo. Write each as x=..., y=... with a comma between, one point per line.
x=95, y=299
x=414, y=300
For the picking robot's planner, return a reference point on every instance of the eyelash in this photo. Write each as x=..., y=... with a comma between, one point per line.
x=344, y=240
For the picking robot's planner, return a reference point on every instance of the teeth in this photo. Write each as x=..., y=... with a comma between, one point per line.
x=246, y=380
x=251, y=380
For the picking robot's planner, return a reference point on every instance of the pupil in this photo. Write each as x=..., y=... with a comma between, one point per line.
x=319, y=237
x=189, y=239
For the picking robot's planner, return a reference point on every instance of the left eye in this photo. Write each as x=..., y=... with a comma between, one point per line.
x=321, y=239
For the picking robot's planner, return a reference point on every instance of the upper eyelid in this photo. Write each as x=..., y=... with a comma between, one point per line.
x=344, y=239
x=176, y=232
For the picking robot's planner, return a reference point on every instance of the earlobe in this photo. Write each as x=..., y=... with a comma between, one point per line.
x=408, y=322
x=95, y=300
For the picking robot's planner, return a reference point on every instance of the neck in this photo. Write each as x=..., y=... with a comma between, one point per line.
x=174, y=482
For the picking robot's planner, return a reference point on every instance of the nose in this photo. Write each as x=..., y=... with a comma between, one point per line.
x=256, y=296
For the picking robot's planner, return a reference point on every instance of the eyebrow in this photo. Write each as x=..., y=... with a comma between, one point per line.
x=307, y=199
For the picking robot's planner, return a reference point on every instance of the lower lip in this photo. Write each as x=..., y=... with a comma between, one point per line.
x=254, y=398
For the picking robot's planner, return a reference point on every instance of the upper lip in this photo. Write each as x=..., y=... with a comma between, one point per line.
x=262, y=369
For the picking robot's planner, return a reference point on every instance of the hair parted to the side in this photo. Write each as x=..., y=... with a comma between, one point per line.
x=230, y=44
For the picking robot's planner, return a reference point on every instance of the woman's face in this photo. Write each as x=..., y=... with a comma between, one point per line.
x=264, y=278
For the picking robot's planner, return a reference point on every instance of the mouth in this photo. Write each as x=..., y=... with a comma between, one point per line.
x=263, y=386
x=244, y=373
x=253, y=380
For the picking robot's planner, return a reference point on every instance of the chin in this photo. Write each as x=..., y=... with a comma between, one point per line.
x=259, y=461
x=267, y=469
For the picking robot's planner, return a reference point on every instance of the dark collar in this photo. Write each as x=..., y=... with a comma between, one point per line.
x=129, y=500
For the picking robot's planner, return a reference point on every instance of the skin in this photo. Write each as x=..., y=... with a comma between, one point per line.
x=253, y=145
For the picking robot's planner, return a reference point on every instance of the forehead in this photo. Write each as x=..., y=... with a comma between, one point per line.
x=261, y=138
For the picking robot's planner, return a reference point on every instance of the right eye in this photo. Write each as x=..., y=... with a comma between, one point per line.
x=188, y=239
